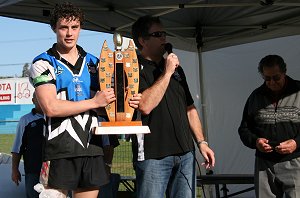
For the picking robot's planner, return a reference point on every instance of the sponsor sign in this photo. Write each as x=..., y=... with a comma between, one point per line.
x=5, y=97
x=15, y=91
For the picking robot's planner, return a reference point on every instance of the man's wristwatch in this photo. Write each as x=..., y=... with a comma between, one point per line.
x=201, y=142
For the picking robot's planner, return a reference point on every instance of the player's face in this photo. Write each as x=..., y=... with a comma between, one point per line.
x=67, y=32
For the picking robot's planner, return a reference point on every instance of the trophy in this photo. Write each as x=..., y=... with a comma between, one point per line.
x=120, y=70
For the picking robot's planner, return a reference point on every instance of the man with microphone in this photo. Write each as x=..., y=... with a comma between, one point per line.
x=165, y=158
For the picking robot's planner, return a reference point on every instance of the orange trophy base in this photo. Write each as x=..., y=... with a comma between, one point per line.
x=120, y=123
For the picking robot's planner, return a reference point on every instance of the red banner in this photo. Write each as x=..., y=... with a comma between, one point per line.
x=5, y=97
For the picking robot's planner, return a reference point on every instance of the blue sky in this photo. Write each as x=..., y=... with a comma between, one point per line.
x=21, y=41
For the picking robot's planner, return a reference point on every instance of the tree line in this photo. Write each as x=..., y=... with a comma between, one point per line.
x=25, y=72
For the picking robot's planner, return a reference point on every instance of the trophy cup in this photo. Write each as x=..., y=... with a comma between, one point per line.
x=120, y=70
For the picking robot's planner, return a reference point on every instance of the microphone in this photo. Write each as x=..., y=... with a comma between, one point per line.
x=169, y=50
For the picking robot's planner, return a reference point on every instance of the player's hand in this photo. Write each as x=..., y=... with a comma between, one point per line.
x=103, y=98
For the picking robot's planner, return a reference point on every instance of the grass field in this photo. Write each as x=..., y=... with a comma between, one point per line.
x=122, y=161
x=6, y=141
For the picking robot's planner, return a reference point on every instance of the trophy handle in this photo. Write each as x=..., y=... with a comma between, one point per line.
x=106, y=72
x=122, y=67
x=131, y=69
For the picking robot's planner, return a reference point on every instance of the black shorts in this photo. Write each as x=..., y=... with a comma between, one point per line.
x=77, y=173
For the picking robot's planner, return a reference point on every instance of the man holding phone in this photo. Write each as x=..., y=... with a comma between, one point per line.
x=271, y=125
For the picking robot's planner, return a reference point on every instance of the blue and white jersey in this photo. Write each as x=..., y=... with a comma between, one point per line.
x=69, y=136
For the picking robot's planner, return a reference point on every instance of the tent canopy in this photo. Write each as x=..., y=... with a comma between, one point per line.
x=210, y=24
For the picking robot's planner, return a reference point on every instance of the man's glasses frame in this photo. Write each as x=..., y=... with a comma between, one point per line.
x=158, y=34
x=275, y=78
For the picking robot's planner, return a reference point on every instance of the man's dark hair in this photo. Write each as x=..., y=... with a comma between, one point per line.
x=141, y=28
x=66, y=11
x=272, y=61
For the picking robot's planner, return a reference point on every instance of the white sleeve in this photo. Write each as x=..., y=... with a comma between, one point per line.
x=41, y=72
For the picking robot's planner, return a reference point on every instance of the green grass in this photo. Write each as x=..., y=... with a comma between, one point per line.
x=6, y=142
x=122, y=161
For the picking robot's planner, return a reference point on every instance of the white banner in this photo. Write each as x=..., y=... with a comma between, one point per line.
x=15, y=91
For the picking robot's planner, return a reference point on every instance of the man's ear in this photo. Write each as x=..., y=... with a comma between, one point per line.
x=141, y=41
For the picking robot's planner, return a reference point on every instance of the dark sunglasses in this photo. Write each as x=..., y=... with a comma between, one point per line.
x=274, y=78
x=158, y=34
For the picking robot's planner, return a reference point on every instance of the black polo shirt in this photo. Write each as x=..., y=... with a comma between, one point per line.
x=168, y=122
x=29, y=141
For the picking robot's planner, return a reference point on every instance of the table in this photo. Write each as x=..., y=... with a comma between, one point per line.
x=224, y=179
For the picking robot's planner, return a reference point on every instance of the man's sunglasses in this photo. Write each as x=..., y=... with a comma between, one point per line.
x=158, y=34
x=274, y=78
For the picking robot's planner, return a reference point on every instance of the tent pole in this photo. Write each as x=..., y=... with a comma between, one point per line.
x=208, y=189
x=199, y=41
x=202, y=94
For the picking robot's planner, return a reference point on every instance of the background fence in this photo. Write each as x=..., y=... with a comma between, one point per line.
x=10, y=115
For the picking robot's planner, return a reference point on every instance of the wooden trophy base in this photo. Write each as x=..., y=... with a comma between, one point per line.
x=121, y=127
x=120, y=123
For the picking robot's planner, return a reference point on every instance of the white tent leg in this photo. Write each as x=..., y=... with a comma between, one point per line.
x=202, y=96
x=208, y=189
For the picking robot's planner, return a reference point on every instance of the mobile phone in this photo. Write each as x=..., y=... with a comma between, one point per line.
x=273, y=144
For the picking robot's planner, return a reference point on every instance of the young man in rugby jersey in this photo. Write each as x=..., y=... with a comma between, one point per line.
x=66, y=83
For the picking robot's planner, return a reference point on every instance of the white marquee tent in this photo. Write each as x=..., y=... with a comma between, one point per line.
x=211, y=24
x=220, y=78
